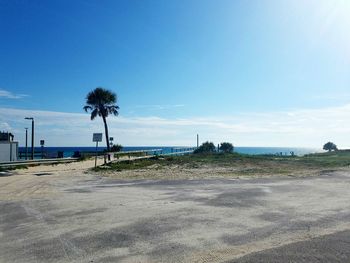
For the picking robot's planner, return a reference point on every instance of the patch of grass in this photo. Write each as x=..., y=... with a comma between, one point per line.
x=83, y=157
x=11, y=168
x=129, y=164
x=327, y=160
x=242, y=164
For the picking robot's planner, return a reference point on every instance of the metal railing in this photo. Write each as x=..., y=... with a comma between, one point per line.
x=38, y=161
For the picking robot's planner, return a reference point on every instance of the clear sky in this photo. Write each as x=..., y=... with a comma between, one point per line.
x=256, y=73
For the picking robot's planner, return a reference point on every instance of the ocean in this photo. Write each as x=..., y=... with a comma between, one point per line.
x=69, y=151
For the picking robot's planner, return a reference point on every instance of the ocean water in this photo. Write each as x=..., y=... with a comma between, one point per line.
x=68, y=151
x=277, y=150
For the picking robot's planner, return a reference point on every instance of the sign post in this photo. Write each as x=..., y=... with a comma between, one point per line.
x=96, y=137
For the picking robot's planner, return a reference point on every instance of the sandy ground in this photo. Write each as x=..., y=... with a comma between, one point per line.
x=64, y=213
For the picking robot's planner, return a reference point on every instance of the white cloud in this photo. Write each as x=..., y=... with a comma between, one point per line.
x=160, y=106
x=298, y=128
x=9, y=95
x=4, y=126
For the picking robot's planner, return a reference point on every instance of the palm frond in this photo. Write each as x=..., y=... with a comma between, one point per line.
x=94, y=114
x=113, y=110
x=101, y=102
x=87, y=108
x=101, y=96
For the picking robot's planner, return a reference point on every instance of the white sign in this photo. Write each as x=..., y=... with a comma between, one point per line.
x=97, y=137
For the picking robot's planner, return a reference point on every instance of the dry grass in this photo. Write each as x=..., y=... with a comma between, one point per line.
x=227, y=165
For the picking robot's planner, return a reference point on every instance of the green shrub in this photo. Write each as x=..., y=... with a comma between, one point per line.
x=226, y=147
x=116, y=148
x=206, y=147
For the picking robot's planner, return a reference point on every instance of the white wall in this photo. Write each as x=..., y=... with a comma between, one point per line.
x=8, y=151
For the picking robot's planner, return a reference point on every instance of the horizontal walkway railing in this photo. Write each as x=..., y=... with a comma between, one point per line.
x=38, y=161
x=149, y=153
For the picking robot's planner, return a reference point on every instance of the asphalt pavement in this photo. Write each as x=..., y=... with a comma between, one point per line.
x=54, y=218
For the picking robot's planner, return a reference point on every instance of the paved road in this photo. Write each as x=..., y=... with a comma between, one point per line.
x=78, y=217
x=328, y=248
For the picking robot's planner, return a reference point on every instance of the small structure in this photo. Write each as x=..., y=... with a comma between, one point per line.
x=8, y=147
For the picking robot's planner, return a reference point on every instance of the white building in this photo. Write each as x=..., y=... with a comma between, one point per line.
x=8, y=148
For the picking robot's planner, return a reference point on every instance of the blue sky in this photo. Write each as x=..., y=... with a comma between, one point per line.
x=170, y=61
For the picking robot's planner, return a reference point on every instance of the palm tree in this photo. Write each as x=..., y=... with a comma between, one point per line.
x=102, y=102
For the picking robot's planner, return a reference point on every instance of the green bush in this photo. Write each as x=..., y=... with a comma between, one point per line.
x=116, y=148
x=206, y=147
x=226, y=147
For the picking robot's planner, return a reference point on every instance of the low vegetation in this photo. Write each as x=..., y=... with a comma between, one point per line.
x=226, y=147
x=206, y=147
x=11, y=168
x=234, y=164
x=116, y=148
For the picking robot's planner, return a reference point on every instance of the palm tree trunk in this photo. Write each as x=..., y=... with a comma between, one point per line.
x=106, y=132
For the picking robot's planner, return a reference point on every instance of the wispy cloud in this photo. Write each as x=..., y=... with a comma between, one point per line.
x=333, y=96
x=305, y=127
x=160, y=106
x=9, y=95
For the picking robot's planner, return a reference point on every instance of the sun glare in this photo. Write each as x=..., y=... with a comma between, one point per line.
x=331, y=25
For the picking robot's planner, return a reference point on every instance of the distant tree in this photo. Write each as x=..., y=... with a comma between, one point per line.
x=329, y=146
x=116, y=148
x=102, y=102
x=226, y=147
x=206, y=147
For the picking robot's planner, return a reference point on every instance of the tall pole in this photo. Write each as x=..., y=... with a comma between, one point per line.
x=26, y=143
x=32, y=119
x=32, y=138
x=197, y=140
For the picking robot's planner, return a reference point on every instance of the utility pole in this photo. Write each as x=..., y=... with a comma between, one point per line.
x=197, y=140
x=26, y=143
x=32, y=119
x=32, y=138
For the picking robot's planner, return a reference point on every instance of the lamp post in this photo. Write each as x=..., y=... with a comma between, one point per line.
x=32, y=119
x=26, y=143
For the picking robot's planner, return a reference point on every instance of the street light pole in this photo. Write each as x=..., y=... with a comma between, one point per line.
x=32, y=119
x=32, y=138
x=26, y=143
